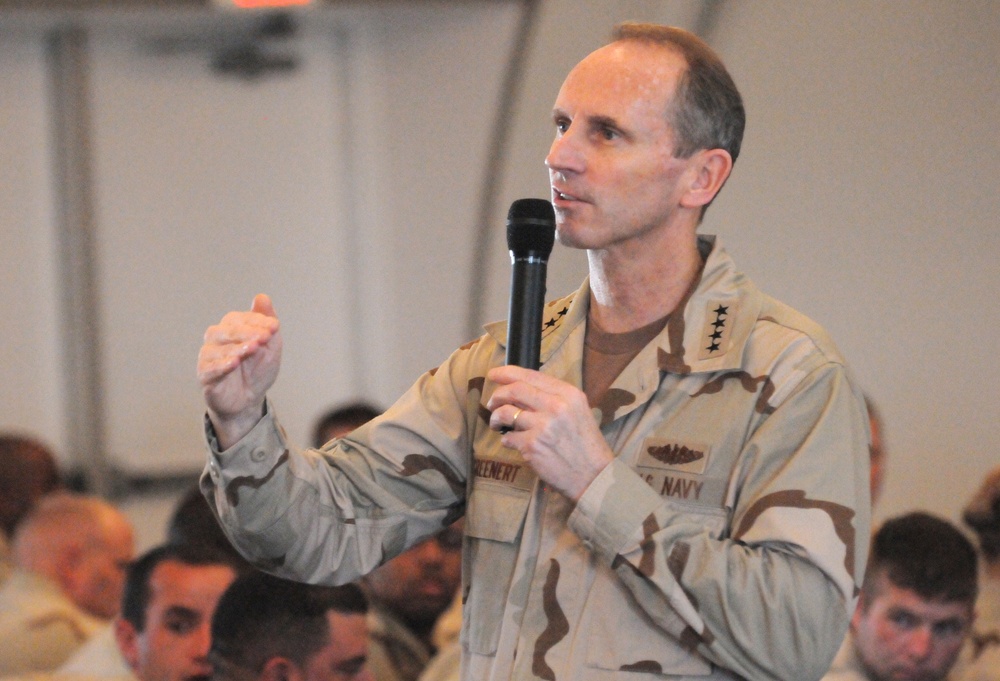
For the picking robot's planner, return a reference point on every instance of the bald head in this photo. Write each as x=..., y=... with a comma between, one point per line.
x=83, y=544
x=706, y=109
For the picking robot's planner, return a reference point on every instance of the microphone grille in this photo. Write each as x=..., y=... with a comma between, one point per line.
x=531, y=227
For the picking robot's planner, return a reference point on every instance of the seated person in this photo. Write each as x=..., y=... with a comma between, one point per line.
x=408, y=594
x=269, y=629
x=28, y=471
x=982, y=515
x=70, y=554
x=192, y=522
x=916, y=605
x=341, y=420
x=162, y=633
x=164, y=630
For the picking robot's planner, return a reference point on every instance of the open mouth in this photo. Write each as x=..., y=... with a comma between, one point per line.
x=562, y=196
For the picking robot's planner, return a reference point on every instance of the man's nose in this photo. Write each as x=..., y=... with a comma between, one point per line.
x=201, y=641
x=430, y=551
x=565, y=154
x=920, y=643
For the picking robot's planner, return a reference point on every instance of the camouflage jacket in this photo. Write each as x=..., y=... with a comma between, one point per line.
x=727, y=539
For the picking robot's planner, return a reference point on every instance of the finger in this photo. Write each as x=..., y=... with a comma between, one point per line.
x=212, y=366
x=507, y=418
x=242, y=327
x=262, y=305
x=509, y=374
x=523, y=394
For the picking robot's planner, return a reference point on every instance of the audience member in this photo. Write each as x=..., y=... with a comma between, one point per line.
x=193, y=523
x=28, y=470
x=916, y=606
x=447, y=661
x=982, y=514
x=408, y=594
x=341, y=420
x=193, y=553
x=164, y=632
x=70, y=553
x=269, y=629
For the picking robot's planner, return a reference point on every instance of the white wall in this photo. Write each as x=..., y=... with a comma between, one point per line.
x=348, y=189
x=866, y=197
x=30, y=387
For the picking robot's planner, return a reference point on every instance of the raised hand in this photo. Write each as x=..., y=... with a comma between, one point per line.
x=237, y=364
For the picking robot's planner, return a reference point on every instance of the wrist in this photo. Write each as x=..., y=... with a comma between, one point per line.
x=230, y=429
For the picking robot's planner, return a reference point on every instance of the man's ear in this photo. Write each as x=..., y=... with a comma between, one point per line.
x=711, y=168
x=127, y=639
x=67, y=567
x=859, y=610
x=280, y=669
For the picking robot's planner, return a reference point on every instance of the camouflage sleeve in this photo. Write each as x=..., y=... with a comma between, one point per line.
x=334, y=514
x=766, y=588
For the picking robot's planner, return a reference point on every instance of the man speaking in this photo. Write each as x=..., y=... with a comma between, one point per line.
x=680, y=491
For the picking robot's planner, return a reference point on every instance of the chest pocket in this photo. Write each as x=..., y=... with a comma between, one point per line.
x=494, y=521
x=643, y=639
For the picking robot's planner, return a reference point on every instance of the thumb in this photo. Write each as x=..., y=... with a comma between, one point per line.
x=262, y=305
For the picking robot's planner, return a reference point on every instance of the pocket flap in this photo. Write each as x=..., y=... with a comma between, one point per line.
x=496, y=511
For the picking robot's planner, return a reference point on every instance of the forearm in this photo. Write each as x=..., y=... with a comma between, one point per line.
x=761, y=611
x=334, y=514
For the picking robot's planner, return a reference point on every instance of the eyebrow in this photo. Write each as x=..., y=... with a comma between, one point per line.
x=182, y=611
x=596, y=120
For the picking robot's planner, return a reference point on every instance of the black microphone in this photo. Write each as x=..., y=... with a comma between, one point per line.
x=531, y=230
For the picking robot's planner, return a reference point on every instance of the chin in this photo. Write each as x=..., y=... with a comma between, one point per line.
x=570, y=239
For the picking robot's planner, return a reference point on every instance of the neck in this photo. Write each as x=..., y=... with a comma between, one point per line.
x=631, y=288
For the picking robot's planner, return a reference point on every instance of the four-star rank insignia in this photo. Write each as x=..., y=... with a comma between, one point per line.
x=555, y=317
x=715, y=333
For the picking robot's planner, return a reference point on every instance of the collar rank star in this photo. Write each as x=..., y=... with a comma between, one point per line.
x=715, y=333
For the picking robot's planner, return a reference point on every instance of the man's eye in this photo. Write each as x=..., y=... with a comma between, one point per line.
x=562, y=125
x=948, y=628
x=179, y=625
x=609, y=134
x=904, y=620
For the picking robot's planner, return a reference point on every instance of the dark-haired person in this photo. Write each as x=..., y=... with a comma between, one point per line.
x=341, y=420
x=916, y=607
x=681, y=491
x=982, y=515
x=270, y=629
x=165, y=624
x=28, y=471
x=408, y=593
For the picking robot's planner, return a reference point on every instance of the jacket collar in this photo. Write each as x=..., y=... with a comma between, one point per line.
x=709, y=335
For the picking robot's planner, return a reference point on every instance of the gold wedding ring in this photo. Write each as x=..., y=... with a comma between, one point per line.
x=513, y=422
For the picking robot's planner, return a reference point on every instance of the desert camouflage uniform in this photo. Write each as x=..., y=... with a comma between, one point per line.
x=730, y=533
x=40, y=627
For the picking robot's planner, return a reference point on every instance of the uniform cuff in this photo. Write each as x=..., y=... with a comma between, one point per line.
x=255, y=454
x=608, y=517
